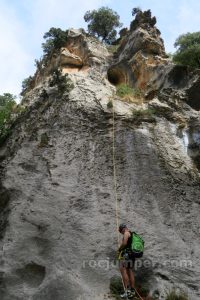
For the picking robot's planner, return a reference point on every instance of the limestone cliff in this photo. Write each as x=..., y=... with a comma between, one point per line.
x=57, y=220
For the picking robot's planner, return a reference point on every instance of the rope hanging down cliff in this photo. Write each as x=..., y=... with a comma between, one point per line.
x=115, y=190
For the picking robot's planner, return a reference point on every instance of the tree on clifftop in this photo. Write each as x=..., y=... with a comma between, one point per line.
x=103, y=23
x=188, y=52
x=55, y=39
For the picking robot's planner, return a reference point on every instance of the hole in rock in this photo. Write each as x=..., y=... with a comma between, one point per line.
x=32, y=274
x=194, y=96
x=178, y=76
x=116, y=76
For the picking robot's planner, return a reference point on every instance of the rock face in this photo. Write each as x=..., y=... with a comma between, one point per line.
x=141, y=58
x=71, y=59
x=79, y=53
x=58, y=224
x=141, y=62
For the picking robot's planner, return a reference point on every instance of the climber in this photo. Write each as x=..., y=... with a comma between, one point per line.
x=126, y=262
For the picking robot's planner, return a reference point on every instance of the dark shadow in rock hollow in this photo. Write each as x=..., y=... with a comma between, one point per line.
x=32, y=274
x=4, y=209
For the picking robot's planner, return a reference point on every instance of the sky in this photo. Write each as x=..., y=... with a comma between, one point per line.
x=24, y=22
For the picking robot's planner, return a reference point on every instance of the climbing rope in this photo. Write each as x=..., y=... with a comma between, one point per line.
x=115, y=191
x=138, y=294
x=115, y=187
x=115, y=179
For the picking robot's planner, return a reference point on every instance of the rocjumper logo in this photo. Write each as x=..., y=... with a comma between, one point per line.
x=108, y=264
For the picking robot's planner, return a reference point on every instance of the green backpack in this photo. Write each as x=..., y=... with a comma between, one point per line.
x=137, y=244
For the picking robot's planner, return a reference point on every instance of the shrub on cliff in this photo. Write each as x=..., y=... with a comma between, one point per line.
x=7, y=104
x=147, y=115
x=129, y=94
x=55, y=39
x=7, y=100
x=62, y=82
x=103, y=23
x=173, y=295
x=26, y=85
x=142, y=18
x=188, y=52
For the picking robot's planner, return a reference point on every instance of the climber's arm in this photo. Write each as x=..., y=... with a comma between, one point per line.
x=124, y=241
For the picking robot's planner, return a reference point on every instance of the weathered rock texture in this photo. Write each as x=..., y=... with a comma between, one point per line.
x=58, y=230
x=79, y=53
x=141, y=58
x=141, y=62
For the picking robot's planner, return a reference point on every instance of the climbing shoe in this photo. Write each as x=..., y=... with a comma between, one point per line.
x=125, y=295
x=131, y=293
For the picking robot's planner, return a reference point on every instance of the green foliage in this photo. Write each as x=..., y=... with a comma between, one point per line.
x=147, y=115
x=172, y=295
x=26, y=85
x=142, y=18
x=44, y=140
x=7, y=104
x=138, y=93
x=39, y=63
x=55, y=39
x=136, y=10
x=124, y=90
x=62, y=82
x=144, y=112
x=123, y=32
x=7, y=99
x=103, y=23
x=188, y=52
x=116, y=286
x=112, y=48
x=110, y=104
x=170, y=55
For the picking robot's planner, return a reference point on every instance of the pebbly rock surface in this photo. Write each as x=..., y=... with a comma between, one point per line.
x=57, y=219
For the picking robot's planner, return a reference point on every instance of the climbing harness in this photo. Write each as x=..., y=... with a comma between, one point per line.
x=115, y=193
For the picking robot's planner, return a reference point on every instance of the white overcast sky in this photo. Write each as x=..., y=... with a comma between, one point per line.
x=24, y=22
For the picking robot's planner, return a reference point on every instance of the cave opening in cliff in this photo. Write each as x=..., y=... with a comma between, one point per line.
x=116, y=76
x=194, y=96
x=179, y=77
